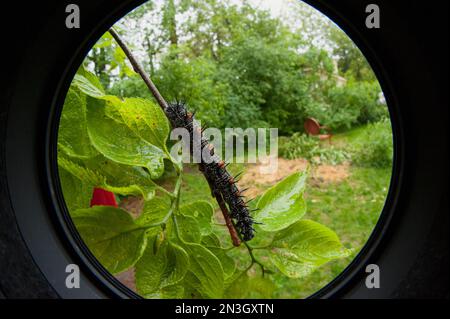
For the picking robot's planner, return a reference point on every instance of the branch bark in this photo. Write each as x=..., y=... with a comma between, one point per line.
x=139, y=70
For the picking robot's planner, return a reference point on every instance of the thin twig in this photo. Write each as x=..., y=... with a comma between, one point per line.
x=254, y=260
x=223, y=207
x=226, y=215
x=139, y=70
x=163, y=103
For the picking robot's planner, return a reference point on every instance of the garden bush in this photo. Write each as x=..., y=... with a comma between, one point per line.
x=375, y=147
x=310, y=148
x=353, y=104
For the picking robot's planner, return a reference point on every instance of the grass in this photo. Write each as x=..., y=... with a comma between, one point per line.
x=350, y=207
x=351, y=137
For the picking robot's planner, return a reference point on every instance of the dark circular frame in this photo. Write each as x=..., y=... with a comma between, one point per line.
x=56, y=231
x=100, y=272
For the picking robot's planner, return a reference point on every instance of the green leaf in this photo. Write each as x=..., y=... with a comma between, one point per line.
x=73, y=137
x=111, y=235
x=77, y=194
x=161, y=269
x=87, y=86
x=120, y=60
x=283, y=204
x=144, y=117
x=120, y=140
x=298, y=250
x=169, y=292
x=154, y=211
x=83, y=174
x=123, y=179
x=203, y=212
x=189, y=229
x=119, y=143
x=212, y=243
x=205, y=273
x=90, y=77
x=90, y=85
x=256, y=287
x=92, y=178
x=189, y=284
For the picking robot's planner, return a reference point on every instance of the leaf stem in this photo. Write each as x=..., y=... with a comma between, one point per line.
x=252, y=256
x=174, y=205
x=165, y=191
x=177, y=230
x=254, y=260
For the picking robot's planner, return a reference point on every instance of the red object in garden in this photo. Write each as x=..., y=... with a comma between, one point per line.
x=100, y=197
x=313, y=127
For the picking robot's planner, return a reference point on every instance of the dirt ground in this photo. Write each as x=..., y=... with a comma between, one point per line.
x=321, y=174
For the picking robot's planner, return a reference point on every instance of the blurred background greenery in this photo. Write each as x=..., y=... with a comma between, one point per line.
x=240, y=65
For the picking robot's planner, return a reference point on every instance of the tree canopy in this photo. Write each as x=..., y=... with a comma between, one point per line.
x=240, y=66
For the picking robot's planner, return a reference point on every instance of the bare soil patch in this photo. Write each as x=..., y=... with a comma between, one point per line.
x=321, y=174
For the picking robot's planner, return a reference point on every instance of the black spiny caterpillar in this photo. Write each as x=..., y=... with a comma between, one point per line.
x=220, y=181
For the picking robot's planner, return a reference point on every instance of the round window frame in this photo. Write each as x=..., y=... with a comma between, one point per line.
x=107, y=282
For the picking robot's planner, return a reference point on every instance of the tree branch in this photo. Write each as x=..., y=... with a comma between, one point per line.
x=226, y=215
x=139, y=70
x=163, y=103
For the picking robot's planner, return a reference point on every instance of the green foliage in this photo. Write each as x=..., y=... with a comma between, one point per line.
x=154, y=211
x=111, y=235
x=307, y=147
x=107, y=56
x=161, y=268
x=206, y=275
x=303, y=247
x=174, y=245
x=202, y=212
x=283, y=204
x=264, y=92
x=195, y=83
x=346, y=106
x=352, y=209
x=351, y=62
x=73, y=137
x=256, y=287
x=375, y=146
x=77, y=194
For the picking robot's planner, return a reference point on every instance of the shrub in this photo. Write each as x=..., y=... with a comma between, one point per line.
x=375, y=148
x=303, y=146
x=354, y=104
